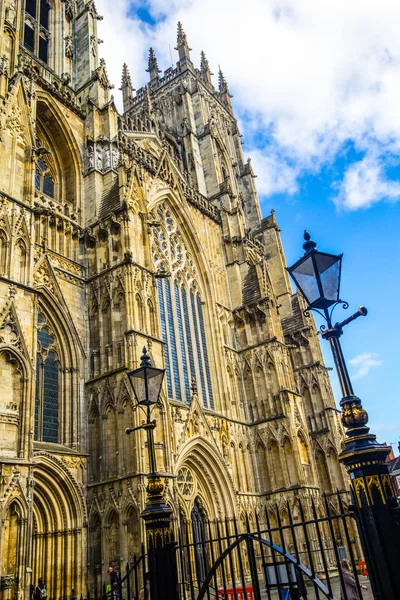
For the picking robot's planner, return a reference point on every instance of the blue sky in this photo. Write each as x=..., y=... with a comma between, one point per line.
x=316, y=90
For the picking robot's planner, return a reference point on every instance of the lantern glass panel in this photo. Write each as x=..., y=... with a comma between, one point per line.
x=146, y=383
x=306, y=279
x=329, y=269
x=154, y=382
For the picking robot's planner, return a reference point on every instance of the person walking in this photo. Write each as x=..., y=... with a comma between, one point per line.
x=349, y=583
x=115, y=576
x=41, y=591
x=144, y=593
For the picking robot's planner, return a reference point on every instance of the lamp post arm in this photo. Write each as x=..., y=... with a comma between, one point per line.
x=362, y=312
x=149, y=427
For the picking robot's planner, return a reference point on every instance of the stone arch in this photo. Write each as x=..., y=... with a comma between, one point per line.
x=110, y=440
x=152, y=317
x=307, y=402
x=323, y=471
x=205, y=462
x=133, y=537
x=139, y=306
x=95, y=551
x=69, y=355
x=21, y=260
x=205, y=280
x=289, y=459
x=64, y=148
x=276, y=470
x=59, y=515
x=13, y=532
x=111, y=523
x=318, y=400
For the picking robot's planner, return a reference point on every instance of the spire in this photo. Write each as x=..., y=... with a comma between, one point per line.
x=205, y=69
x=224, y=94
x=126, y=87
x=153, y=65
x=182, y=45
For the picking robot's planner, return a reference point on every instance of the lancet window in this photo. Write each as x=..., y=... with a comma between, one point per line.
x=181, y=312
x=47, y=386
x=44, y=172
x=36, y=28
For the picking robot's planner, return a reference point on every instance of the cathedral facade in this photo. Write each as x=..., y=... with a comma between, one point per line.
x=119, y=231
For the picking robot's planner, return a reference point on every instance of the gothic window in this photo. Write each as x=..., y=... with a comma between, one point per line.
x=183, y=326
x=47, y=387
x=185, y=482
x=36, y=28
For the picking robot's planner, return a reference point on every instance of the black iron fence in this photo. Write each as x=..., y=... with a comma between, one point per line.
x=293, y=550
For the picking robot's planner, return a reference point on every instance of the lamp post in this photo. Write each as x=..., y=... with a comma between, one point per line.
x=146, y=382
x=317, y=276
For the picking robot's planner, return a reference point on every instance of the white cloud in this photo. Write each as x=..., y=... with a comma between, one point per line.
x=306, y=77
x=365, y=183
x=363, y=363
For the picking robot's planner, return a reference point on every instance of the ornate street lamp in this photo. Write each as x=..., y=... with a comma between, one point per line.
x=317, y=276
x=146, y=382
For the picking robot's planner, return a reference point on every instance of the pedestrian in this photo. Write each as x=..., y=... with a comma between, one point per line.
x=116, y=590
x=115, y=576
x=349, y=583
x=144, y=593
x=41, y=591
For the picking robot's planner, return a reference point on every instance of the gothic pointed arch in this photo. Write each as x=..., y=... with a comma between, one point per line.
x=58, y=363
x=181, y=299
x=59, y=514
x=61, y=146
x=209, y=474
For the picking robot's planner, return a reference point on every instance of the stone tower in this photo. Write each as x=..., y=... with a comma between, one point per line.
x=119, y=231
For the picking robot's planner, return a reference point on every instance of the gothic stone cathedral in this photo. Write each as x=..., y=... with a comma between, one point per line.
x=123, y=231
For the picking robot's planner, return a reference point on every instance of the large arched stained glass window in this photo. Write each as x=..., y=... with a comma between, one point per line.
x=181, y=312
x=47, y=387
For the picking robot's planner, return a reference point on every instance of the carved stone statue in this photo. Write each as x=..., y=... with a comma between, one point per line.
x=107, y=158
x=90, y=152
x=115, y=157
x=11, y=12
x=99, y=159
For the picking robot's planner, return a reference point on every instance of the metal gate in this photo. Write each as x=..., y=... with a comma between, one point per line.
x=292, y=551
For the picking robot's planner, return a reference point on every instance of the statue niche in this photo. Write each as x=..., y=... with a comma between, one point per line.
x=10, y=403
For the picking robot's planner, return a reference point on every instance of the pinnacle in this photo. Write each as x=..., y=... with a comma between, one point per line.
x=222, y=84
x=153, y=64
x=204, y=66
x=126, y=76
x=181, y=38
x=181, y=33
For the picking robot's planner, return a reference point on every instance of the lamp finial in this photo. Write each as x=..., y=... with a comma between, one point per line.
x=308, y=244
x=145, y=358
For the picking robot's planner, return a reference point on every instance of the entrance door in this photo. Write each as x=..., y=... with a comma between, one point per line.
x=199, y=541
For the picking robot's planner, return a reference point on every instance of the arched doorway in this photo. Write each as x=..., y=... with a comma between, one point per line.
x=12, y=547
x=199, y=541
x=58, y=554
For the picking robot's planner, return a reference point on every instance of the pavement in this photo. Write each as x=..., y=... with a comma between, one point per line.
x=366, y=595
